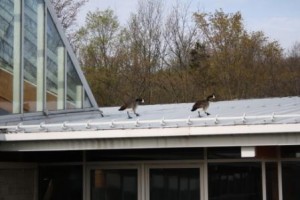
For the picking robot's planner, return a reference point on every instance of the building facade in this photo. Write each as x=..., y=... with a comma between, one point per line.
x=55, y=145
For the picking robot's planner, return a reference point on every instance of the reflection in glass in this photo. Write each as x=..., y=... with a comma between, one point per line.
x=290, y=180
x=224, y=152
x=6, y=56
x=114, y=184
x=55, y=67
x=290, y=151
x=60, y=183
x=174, y=184
x=87, y=103
x=74, y=87
x=22, y=62
x=33, y=11
x=234, y=181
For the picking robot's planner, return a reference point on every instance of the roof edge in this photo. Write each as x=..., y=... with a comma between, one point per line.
x=269, y=129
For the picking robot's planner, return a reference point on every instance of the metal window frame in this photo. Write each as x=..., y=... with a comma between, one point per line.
x=18, y=94
x=115, y=165
x=197, y=164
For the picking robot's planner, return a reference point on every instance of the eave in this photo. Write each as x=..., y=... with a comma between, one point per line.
x=181, y=137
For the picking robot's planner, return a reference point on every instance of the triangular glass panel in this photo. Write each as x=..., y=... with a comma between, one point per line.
x=38, y=69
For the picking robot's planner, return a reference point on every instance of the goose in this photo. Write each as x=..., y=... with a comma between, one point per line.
x=131, y=104
x=203, y=104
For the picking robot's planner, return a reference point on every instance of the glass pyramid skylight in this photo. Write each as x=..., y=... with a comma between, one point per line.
x=38, y=69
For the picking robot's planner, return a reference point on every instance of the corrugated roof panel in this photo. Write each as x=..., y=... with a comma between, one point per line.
x=223, y=113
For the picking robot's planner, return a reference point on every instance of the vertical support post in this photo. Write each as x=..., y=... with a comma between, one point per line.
x=41, y=88
x=84, y=188
x=264, y=180
x=205, y=177
x=280, y=194
x=142, y=183
x=17, y=66
x=79, y=95
x=60, y=78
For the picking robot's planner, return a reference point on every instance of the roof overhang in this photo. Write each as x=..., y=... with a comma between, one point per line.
x=215, y=136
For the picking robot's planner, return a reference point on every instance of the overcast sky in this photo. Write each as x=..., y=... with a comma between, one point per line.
x=278, y=19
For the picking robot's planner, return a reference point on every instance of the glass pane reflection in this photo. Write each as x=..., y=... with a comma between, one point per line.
x=174, y=184
x=55, y=67
x=290, y=179
x=30, y=54
x=74, y=87
x=60, y=183
x=6, y=56
x=87, y=103
x=234, y=181
x=114, y=184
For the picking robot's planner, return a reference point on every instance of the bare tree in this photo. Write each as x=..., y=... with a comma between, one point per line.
x=180, y=35
x=293, y=67
x=67, y=11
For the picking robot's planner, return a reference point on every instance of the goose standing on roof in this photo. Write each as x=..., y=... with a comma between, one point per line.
x=131, y=105
x=203, y=104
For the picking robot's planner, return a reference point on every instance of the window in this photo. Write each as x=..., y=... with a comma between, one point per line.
x=114, y=184
x=55, y=67
x=6, y=56
x=290, y=180
x=60, y=183
x=175, y=184
x=272, y=181
x=74, y=89
x=234, y=181
x=224, y=153
x=290, y=151
x=33, y=63
x=37, y=70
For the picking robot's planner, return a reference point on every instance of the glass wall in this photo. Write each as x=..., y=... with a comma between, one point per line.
x=55, y=68
x=37, y=72
x=6, y=55
x=272, y=181
x=87, y=102
x=290, y=179
x=75, y=89
x=175, y=184
x=60, y=183
x=224, y=153
x=114, y=184
x=234, y=181
x=33, y=33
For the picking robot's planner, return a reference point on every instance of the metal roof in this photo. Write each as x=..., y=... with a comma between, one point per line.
x=253, y=122
x=284, y=110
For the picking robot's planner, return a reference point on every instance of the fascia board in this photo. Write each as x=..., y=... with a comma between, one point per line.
x=154, y=133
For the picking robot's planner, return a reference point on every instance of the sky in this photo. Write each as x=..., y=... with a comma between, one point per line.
x=278, y=19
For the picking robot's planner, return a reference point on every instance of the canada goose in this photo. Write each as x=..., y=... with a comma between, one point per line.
x=203, y=104
x=131, y=104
